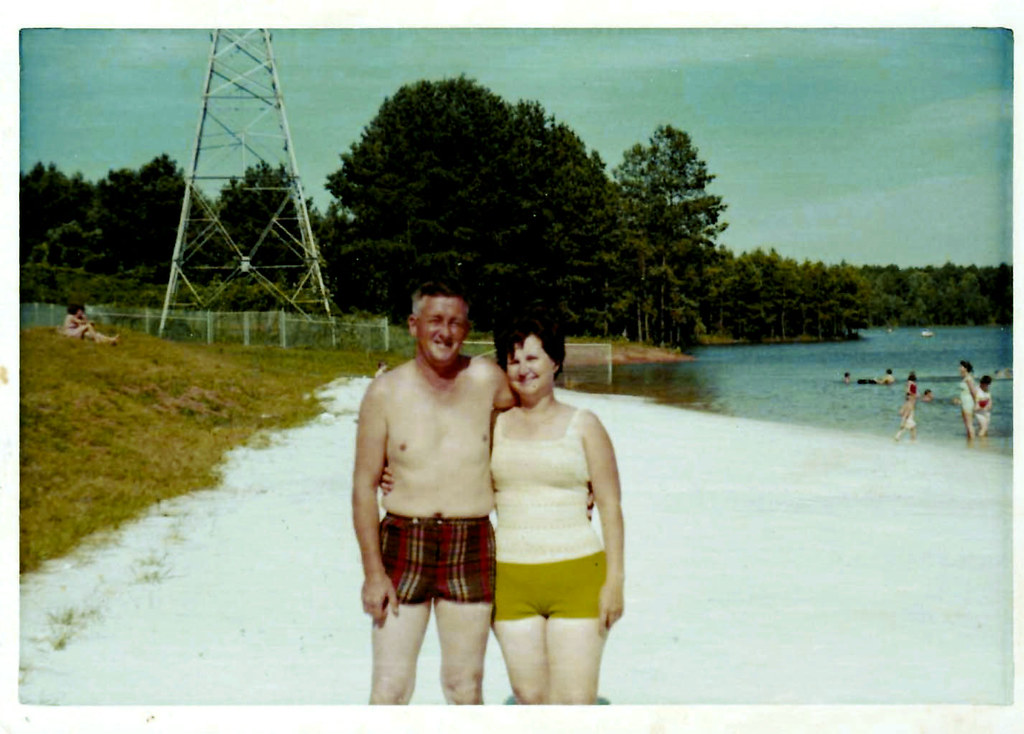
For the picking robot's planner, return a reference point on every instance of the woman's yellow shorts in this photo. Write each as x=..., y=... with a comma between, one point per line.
x=561, y=589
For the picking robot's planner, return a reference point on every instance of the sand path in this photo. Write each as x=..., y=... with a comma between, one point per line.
x=765, y=564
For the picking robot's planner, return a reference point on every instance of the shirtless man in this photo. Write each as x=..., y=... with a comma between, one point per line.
x=430, y=419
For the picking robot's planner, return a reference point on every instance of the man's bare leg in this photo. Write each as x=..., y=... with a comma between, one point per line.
x=396, y=648
x=463, y=629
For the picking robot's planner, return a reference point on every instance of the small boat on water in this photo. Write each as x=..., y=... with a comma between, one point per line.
x=927, y=333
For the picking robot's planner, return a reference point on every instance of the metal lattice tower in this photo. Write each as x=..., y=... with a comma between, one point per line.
x=243, y=157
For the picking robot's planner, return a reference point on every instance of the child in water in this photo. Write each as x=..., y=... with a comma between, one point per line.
x=907, y=422
x=911, y=387
x=906, y=412
x=983, y=405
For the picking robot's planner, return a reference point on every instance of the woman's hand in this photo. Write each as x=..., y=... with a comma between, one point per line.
x=610, y=604
x=387, y=480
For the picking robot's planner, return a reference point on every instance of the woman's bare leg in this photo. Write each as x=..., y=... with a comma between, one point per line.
x=524, y=647
x=968, y=424
x=574, y=659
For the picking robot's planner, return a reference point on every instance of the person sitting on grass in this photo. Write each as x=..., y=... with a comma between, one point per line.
x=77, y=326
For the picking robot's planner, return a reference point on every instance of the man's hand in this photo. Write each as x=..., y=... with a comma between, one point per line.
x=378, y=596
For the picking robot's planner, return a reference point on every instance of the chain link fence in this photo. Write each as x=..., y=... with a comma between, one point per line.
x=257, y=328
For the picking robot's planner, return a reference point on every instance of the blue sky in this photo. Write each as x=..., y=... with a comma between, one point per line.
x=867, y=145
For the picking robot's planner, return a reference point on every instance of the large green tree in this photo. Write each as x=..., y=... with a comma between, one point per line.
x=137, y=214
x=54, y=213
x=673, y=223
x=457, y=183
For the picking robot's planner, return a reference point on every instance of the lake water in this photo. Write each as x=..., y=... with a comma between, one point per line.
x=803, y=383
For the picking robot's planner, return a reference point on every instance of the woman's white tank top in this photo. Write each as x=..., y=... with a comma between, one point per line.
x=541, y=491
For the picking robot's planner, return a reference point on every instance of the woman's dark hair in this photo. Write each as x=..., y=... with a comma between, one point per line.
x=538, y=323
x=912, y=376
x=74, y=307
x=967, y=365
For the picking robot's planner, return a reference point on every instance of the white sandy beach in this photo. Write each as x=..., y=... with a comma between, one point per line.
x=766, y=564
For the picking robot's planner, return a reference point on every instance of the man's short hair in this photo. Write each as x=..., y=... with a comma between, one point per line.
x=541, y=324
x=435, y=288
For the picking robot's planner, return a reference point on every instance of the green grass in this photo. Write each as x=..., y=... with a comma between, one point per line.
x=66, y=623
x=107, y=432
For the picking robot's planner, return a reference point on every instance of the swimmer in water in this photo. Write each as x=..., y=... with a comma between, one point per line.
x=886, y=379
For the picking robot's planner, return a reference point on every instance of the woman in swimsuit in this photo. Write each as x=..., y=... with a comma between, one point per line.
x=77, y=326
x=559, y=589
x=967, y=391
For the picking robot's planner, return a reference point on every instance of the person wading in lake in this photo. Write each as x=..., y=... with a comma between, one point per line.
x=886, y=379
x=906, y=412
x=983, y=405
x=430, y=419
x=967, y=392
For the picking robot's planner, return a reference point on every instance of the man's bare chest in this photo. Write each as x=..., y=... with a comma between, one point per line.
x=428, y=426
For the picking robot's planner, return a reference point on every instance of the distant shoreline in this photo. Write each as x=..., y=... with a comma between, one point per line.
x=641, y=354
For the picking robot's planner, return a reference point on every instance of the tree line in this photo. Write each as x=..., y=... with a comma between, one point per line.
x=450, y=181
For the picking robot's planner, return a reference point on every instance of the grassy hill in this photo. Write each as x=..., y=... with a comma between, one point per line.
x=106, y=432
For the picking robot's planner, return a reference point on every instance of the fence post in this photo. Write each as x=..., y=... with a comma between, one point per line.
x=387, y=333
x=281, y=328
x=245, y=328
x=209, y=327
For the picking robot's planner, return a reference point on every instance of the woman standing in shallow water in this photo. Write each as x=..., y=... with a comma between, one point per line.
x=558, y=591
x=967, y=392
